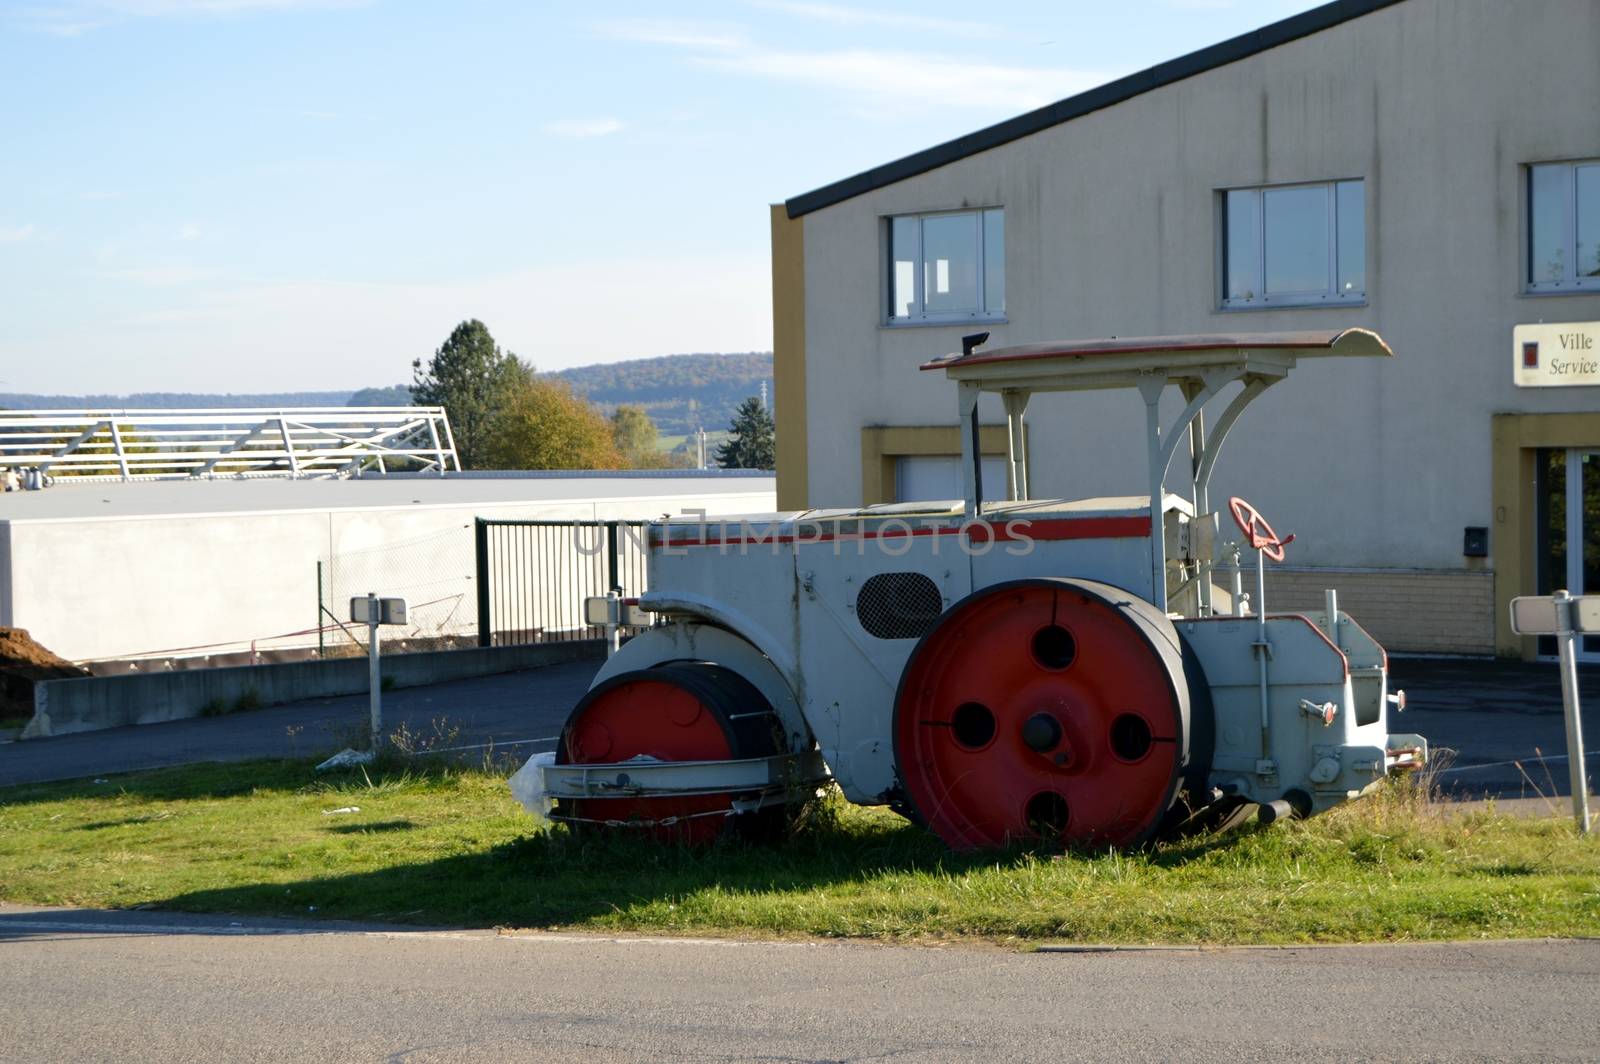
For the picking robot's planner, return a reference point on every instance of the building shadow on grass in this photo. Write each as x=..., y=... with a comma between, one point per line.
x=557, y=878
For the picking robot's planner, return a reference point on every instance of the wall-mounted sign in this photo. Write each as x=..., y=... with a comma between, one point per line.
x=1550, y=356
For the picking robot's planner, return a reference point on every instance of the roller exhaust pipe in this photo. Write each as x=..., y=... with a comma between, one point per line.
x=1292, y=806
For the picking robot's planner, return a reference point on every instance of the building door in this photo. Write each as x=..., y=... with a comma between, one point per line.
x=1569, y=520
x=937, y=478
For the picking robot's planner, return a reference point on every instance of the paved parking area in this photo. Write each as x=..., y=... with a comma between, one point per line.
x=1502, y=721
x=520, y=711
x=1498, y=725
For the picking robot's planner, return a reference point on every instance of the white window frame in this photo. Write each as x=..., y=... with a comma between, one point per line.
x=919, y=274
x=1572, y=282
x=1328, y=297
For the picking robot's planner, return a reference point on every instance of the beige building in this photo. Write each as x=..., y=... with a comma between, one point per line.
x=1426, y=168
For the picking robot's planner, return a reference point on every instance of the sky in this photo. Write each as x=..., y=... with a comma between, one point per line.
x=274, y=195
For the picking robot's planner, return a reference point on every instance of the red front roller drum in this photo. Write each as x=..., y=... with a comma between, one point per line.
x=1049, y=708
x=679, y=711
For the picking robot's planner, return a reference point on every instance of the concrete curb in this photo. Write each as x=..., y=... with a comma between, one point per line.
x=1290, y=947
x=62, y=707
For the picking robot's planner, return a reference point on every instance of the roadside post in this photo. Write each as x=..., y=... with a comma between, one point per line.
x=375, y=611
x=613, y=613
x=1566, y=618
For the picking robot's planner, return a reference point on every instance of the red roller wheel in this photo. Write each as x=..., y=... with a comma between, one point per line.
x=1048, y=708
x=681, y=711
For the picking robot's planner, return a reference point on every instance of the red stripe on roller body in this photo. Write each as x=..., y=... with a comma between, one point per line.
x=1047, y=530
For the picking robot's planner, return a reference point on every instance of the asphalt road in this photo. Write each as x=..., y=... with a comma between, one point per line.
x=84, y=985
x=1502, y=721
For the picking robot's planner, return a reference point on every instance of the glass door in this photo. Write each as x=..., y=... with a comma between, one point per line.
x=1568, y=523
x=1583, y=534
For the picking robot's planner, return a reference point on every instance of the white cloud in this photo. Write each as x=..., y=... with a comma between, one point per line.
x=16, y=235
x=189, y=231
x=878, y=81
x=584, y=128
x=677, y=34
x=912, y=79
x=69, y=18
x=858, y=16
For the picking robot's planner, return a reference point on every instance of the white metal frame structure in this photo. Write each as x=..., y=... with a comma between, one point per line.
x=307, y=442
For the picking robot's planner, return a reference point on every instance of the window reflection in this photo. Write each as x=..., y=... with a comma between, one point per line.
x=1351, y=214
x=1547, y=210
x=1295, y=245
x=994, y=261
x=1244, y=243
x=903, y=262
x=1588, y=225
x=947, y=266
x=950, y=258
x=1296, y=224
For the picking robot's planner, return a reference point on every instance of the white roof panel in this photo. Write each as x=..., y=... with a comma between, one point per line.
x=74, y=498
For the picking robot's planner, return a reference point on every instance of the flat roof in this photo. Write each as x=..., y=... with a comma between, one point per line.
x=1217, y=55
x=71, y=498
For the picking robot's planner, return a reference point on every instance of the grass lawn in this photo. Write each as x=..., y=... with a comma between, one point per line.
x=440, y=845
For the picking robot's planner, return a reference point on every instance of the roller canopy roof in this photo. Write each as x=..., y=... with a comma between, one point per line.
x=1120, y=361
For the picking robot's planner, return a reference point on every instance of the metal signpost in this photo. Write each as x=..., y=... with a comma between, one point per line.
x=375, y=611
x=1566, y=618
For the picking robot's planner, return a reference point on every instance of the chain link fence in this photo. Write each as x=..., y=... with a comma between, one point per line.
x=433, y=573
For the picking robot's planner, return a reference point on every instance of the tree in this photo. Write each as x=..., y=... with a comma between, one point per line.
x=635, y=436
x=544, y=426
x=752, y=443
x=394, y=395
x=472, y=379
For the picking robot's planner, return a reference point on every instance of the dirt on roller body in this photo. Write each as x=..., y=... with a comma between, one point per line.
x=24, y=663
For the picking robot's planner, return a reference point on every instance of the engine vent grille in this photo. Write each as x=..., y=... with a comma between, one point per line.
x=899, y=605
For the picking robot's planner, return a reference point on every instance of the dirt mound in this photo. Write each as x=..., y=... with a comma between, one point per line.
x=23, y=663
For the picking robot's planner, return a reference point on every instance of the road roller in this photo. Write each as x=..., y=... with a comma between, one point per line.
x=998, y=668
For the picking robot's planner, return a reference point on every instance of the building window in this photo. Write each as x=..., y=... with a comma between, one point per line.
x=1564, y=227
x=947, y=267
x=1294, y=245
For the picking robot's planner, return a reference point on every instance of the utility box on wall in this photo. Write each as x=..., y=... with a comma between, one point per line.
x=1475, y=542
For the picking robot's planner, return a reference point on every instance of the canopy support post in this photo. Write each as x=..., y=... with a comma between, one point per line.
x=971, y=450
x=1150, y=388
x=1016, y=403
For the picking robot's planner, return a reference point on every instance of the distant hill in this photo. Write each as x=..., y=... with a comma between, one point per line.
x=394, y=395
x=679, y=392
x=170, y=401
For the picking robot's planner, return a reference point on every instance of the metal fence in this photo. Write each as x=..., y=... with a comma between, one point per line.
x=532, y=576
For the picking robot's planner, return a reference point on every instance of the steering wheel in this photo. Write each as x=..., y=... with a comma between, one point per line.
x=1256, y=529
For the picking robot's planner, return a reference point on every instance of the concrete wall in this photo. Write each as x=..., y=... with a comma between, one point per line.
x=1112, y=229
x=65, y=706
x=128, y=586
